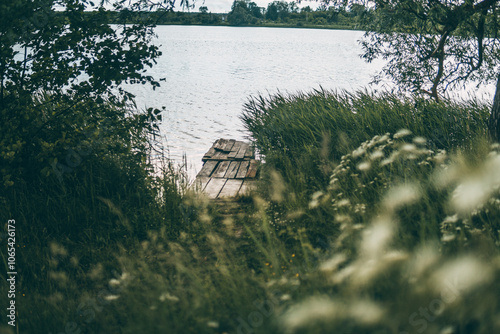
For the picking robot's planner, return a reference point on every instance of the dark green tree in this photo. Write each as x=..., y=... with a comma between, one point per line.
x=239, y=14
x=272, y=11
x=243, y=13
x=255, y=10
x=277, y=10
x=61, y=66
x=434, y=45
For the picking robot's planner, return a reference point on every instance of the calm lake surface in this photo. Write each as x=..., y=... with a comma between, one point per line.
x=210, y=72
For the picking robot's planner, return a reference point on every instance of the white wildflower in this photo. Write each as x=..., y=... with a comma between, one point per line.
x=114, y=282
x=448, y=330
x=384, y=138
x=463, y=274
x=377, y=155
x=440, y=157
x=401, y=195
x=358, y=152
x=364, y=166
x=366, y=312
x=333, y=263
x=111, y=297
x=477, y=189
x=343, y=202
x=167, y=296
x=213, y=324
x=451, y=219
x=315, y=199
x=317, y=194
x=419, y=140
x=310, y=311
x=447, y=237
x=402, y=133
x=377, y=236
x=408, y=148
x=387, y=161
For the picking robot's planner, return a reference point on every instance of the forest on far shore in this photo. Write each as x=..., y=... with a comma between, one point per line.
x=245, y=13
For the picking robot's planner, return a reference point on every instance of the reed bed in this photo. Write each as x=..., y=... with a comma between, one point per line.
x=375, y=215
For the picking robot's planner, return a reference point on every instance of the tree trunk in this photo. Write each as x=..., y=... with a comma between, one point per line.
x=494, y=122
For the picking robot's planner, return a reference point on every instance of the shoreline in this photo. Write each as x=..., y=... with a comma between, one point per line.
x=322, y=27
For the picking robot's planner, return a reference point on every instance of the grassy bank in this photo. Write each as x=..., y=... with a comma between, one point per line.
x=358, y=227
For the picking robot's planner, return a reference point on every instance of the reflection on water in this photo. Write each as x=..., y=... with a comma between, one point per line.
x=211, y=71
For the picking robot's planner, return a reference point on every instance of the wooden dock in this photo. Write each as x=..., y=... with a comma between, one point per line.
x=229, y=169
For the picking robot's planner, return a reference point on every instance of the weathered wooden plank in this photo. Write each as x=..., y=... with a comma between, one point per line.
x=216, y=143
x=214, y=186
x=210, y=153
x=252, y=169
x=241, y=152
x=232, y=170
x=220, y=144
x=235, y=149
x=229, y=145
x=231, y=188
x=242, y=171
x=201, y=182
x=247, y=187
x=208, y=168
x=221, y=169
x=220, y=155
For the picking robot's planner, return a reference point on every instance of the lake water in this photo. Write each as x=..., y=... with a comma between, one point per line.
x=210, y=72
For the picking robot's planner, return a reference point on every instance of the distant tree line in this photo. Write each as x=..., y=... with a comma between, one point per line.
x=246, y=13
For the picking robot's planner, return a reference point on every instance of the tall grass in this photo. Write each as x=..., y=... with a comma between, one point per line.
x=418, y=248
x=421, y=256
x=399, y=234
x=301, y=134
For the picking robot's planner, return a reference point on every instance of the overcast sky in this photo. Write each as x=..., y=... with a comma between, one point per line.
x=224, y=6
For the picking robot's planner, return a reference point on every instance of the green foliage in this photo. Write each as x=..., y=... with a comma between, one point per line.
x=359, y=227
x=433, y=45
x=402, y=236
x=416, y=247
x=59, y=72
x=241, y=274
x=301, y=134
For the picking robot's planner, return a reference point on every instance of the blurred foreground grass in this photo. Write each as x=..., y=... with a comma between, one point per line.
x=376, y=215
